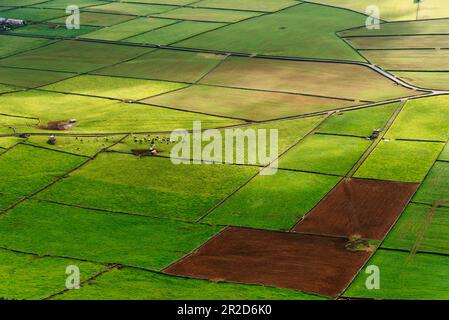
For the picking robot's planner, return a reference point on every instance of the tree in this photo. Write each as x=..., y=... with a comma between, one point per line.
x=418, y=2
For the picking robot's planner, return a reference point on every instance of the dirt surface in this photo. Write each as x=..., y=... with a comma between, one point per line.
x=359, y=208
x=58, y=125
x=314, y=264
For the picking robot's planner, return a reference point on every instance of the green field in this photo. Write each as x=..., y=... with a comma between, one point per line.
x=422, y=229
x=129, y=240
x=423, y=119
x=156, y=191
x=405, y=277
x=325, y=154
x=272, y=34
x=358, y=122
x=143, y=286
x=274, y=202
x=171, y=149
x=405, y=161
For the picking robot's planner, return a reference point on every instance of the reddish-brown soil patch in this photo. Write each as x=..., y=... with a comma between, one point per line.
x=315, y=264
x=359, y=208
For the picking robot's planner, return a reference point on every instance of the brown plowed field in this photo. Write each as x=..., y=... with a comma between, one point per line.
x=315, y=264
x=359, y=208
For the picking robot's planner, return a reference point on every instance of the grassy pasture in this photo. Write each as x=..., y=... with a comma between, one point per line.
x=10, y=45
x=395, y=10
x=273, y=34
x=26, y=169
x=114, y=87
x=428, y=80
x=288, y=133
x=360, y=122
x=13, y=3
x=7, y=88
x=423, y=276
x=169, y=2
x=168, y=65
x=435, y=188
x=402, y=28
x=342, y=80
x=398, y=42
x=174, y=32
x=30, y=78
x=200, y=14
x=274, y=202
x=245, y=104
x=128, y=29
x=73, y=56
x=130, y=8
x=445, y=154
x=416, y=60
x=69, y=231
x=97, y=19
x=97, y=115
x=405, y=161
x=421, y=227
x=24, y=276
x=9, y=124
x=140, y=285
x=86, y=146
x=256, y=5
x=33, y=14
x=149, y=186
x=63, y=4
x=6, y=142
x=55, y=30
x=423, y=119
x=325, y=154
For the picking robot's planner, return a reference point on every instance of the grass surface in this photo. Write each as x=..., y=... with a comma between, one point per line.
x=63, y=4
x=97, y=115
x=405, y=161
x=141, y=285
x=33, y=14
x=200, y=14
x=55, y=30
x=342, y=80
x=403, y=276
x=325, y=154
x=395, y=10
x=68, y=231
x=25, y=169
x=24, y=276
x=398, y=42
x=421, y=228
x=73, y=56
x=9, y=124
x=174, y=32
x=149, y=186
x=445, y=154
x=128, y=29
x=273, y=34
x=415, y=60
x=266, y=5
x=423, y=119
x=428, y=80
x=30, y=78
x=274, y=202
x=10, y=45
x=130, y=8
x=97, y=19
x=360, y=122
x=169, y=65
x=439, y=26
x=245, y=104
x=113, y=87
x=435, y=189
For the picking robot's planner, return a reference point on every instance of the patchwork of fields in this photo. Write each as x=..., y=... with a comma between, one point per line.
x=362, y=179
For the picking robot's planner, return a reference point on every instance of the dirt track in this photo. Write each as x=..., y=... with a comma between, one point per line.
x=315, y=264
x=358, y=207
